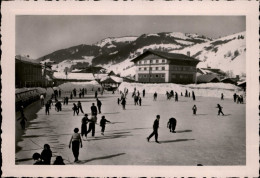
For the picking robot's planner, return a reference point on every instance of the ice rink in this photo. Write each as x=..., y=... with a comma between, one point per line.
x=206, y=138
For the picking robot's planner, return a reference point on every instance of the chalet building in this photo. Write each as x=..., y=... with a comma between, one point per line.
x=208, y=78
x=162, y=67
x=28, y=73
x=217, y=72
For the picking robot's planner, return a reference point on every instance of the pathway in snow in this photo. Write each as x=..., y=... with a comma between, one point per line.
x=205, y=139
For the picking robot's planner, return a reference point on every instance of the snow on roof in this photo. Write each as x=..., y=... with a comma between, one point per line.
x=100, y=76
x=114, y=78
x=76, y=70
x=74, y=76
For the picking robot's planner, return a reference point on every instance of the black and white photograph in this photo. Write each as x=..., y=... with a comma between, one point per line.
x=131, y=90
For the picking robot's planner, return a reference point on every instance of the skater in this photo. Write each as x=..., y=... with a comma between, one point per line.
x=84, y=123
x=181, y=94
x=59, y=161
x=37, y=158
x=99, y=105
x=96, y=94
x=155, y=96
x=46, y=154
x=172, y=124
x=176, y=97
x=235, y=97
x=193, y=96
x=155, y=129
x=194, y=108
x=189, y=94
x=167, y=95
x=241, y=99
x=93, y=109
x=136, y=100
x=123, y=102
x=42, y=99
x=143, y=93
x=75, y=141
x=74, y=92
x=58, y=106
x=238, y=99
x=71, y=96
x=23, y=121
x=59, y=93
x=75, y=109
x=222, y=96
x=220, y=110
x=67, y=100
x=103, y=122
x=92, y=125
x=64, y=100
x=140, y=101
x=118, y=101
x=186, y=93
x=80, y=107
x=47, y=108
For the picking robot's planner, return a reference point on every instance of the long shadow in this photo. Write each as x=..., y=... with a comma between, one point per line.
x=181, y=131
x=200, y=114
x=25, y=159
x=110, y=137
x=178, y=140
x=33, y=136
x=111, y=113
x=116, y=122
x=227, y=114
x=103, y=157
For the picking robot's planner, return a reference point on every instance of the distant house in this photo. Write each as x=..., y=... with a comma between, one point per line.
x=28, y=73
x=230, y=80
x=242, y=85
x=219, y=73
x=162, y=67
x=60, y=78
x=110, y=81
x=208, y=78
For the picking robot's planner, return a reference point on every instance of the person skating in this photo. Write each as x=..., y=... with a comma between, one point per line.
x=67, y=100
x=37, y=158
x=235, y=97
x=155, y=129
x=47, y=108
x=92, y=125
x=58, y=106
x=84, y=123
x=194, y=108
x=222, y=96
x=76, y=142
x=136, y=100
x=118, y=101
x=75, y=109
x=103, y=122
x=96, y=94
x=71, y=96
x=172, y=124
x=74, y=92
x=189, y=94
x=143, y=93
x=193, y=96
x=220, y=110
x=46, y=154
x=155, y=96
x=99, y=104
x=176, y=97
x=140, y=101
x=23, y=121
x=80, y=107
x=93, y=109
x=123, y=102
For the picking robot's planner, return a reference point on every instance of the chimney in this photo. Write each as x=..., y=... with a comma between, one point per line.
x=188, y=53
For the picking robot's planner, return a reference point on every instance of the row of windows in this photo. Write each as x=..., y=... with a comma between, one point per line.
x=155, y=61
x=151, y=68
x=183, y=68
x=151, y=76
x=181, y=76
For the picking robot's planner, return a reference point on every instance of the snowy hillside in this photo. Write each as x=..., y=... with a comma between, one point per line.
x=110, y=41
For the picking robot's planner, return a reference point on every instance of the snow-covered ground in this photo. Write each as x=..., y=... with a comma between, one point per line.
x=205, y=139
x=206, y=90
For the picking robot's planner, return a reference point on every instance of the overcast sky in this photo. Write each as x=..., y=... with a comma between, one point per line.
x=40, y=35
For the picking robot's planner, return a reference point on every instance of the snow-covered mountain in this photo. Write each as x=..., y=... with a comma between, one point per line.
x=227, y=53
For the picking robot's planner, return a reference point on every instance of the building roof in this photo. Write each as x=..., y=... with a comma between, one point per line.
x=169, y=56
x=26, y=60
x=212, y=70
x=207, y=78
x=111, y=79
x=74, y=76
x=229, y=80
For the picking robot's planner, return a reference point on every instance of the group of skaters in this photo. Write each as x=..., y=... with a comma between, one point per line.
x=239, y=99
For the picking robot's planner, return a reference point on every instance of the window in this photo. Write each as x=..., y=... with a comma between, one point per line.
x=173, y=76
x=145, y=68
x=163, y=61
x=156, y=76
x=156, y=68
x=162, y=75
x=140, y=68
x=140, y=76
x=151, y=68
x=157, y=61
x=144, y=76
x=163, y=68
x=181, y=76
x=151, y=61
x=145, y=62
x=151, y=76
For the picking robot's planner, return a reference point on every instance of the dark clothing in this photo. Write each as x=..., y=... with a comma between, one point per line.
x=176, y=97
x=235, y=97
x=99, y=106
x=46, y=156
x=75, y=149
x=143, y=93
x=39, y=162
x=193, y=96
x=172, y=124
x=123, y=103
x=155, y=130
x=58, y=106
x=80, y=108
x=140, y=101
x=220, y=110
x=96, y=94
x=103, y=122
x=75, y=110
x=194, y=110
x=93, y=110
x=47, y=108
x=84, y=122
x=92, y=128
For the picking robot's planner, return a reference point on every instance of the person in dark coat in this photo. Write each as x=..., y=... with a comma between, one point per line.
x=193, y=96
x=67, y=100
x=118, y=101
x=37, y=158
x=23, y=121
x=71, y=96
x=186, y=93
x=84, y=123
x=176, y=97
x=93, y=109
x=47, y=108
x=46, y=154
x=220, y=110
x=140, y=101
x=80, y=107
x=235, y=97
x=75, y=109
x=96, y=94
x=59, y=161
x=123, y=102
x=92, y=125
x=136, y=100
x=74, y=92
x=59, y=93
x=172, y=124
x=155, y=129
x=58, y=106
x=222, y=96
x=103, y=122
x=99, y=105
x=64, y=100
x=76, y=142
x=143, y=93
x=155, y=96
x=189, y=94
x=194, y=108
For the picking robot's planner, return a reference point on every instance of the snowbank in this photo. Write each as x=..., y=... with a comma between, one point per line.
x=206, y=90
x=68, y=87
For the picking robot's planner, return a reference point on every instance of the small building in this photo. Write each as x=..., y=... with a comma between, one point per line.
x=28, y=73
x=230, y=80
x=208, y=78
x=163, y=67
x=109, y=82
x=218, y=72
